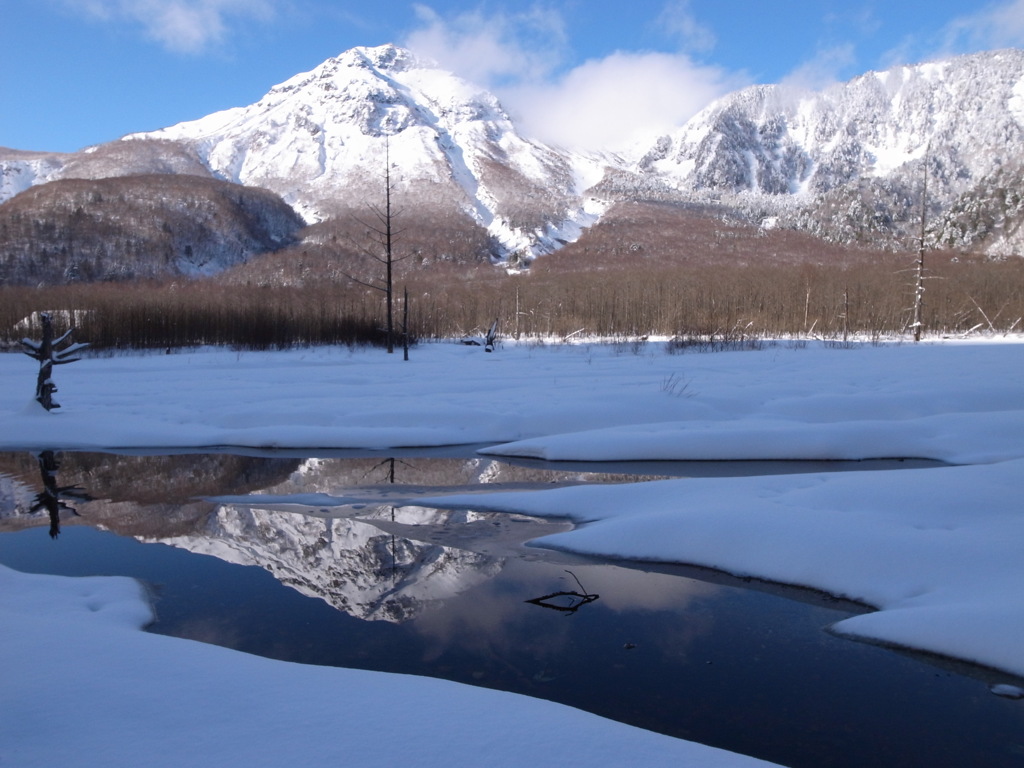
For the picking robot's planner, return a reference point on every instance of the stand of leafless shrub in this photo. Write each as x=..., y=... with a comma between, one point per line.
x=676, y=385
x=146, y=316
x=703, y=282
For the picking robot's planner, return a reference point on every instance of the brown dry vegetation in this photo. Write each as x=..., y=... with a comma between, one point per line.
x=679, y=270
x=347, y=247
x=647, y=269
x=189, y=313
x=136, y=227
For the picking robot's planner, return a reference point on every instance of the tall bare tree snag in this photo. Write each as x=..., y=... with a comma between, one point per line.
x=846, y=314
x=919, y=287
x=384, y=232
x=389, y=260
x=405, y=323
x=48, y=355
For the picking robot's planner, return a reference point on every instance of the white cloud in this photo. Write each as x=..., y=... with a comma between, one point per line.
x=489, y=49
x=603, y=103
x=678, y=21
x=618, y=100
x=999, y=25
x=183, y=26
x=827, y=67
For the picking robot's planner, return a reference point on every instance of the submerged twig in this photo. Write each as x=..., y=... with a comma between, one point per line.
x=578, y=599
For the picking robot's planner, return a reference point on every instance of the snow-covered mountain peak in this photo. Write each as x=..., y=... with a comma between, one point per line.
x=777, y=139
x=319, y=140
x=380, y=91
x=388, y=57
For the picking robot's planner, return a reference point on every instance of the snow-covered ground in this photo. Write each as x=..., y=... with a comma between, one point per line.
x=935, y=550
x=83, y=687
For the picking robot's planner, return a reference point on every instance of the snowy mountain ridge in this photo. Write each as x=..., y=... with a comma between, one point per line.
x=868, y=142
x=23, y=170
x=847, y=163
x=967, y=112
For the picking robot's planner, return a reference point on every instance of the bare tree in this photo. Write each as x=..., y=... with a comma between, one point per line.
x=384, y=233
x=48, y=354
x=492, y=337
x=919, y=287
x=405, y=323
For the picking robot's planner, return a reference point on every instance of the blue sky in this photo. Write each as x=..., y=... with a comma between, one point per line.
x=81, y=72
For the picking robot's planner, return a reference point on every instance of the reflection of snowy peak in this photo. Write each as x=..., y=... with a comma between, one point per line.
x=320, y=138
x=351, y=564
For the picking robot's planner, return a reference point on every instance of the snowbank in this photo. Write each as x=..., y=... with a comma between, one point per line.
x=935, y=550
x=84, y=687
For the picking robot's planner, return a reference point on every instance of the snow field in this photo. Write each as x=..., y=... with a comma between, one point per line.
x=934, y=550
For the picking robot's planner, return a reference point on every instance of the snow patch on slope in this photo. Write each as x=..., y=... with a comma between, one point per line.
x=1016, y=101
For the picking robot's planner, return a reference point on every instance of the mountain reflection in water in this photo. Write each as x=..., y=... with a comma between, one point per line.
x=454, y=594
x=368, y=557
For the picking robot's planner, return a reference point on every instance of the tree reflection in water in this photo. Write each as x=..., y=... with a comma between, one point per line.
x=53, y=497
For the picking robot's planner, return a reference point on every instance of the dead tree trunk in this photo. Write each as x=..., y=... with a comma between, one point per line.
x=48, y=355
x=384, y=234
x=405, y=323
x=919, y=287
x=53, y=498
x=492, y=337
x=846, y=314
x=389, y=255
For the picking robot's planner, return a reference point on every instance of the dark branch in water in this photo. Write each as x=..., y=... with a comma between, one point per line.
x=576, y=599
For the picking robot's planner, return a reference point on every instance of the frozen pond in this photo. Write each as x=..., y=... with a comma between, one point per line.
x=328, y=560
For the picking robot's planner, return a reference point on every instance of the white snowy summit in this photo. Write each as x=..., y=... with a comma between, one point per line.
x=324, y=138
x=853, y=156
x=781, y=139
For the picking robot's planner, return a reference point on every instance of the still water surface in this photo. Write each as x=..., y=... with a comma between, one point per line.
x=313, y=560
